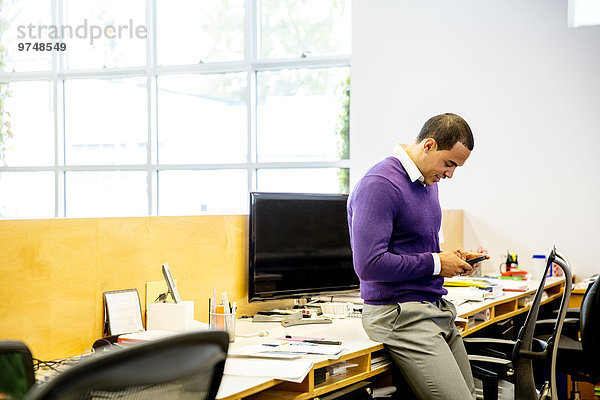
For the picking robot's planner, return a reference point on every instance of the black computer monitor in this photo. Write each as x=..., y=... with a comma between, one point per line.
x=299, y=246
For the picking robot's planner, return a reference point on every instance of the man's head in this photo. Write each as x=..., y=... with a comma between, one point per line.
x=444, y=143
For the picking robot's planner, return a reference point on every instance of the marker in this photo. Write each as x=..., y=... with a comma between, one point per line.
x=214, y=301
x=332, y=342
x=225, y=299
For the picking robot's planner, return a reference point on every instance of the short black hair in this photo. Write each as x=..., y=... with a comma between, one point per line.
x=447, y=130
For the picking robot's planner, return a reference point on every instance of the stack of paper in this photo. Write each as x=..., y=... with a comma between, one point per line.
x=292, y=370
x=144, y=336
x=514, y=286
x=467, y=293
x=489, y=288
x=279, y=350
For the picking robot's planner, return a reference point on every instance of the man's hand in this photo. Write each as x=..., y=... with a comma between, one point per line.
x=453, y=263
x=466, y=255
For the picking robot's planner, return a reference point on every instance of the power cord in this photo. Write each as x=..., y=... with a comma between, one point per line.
x=52, y=364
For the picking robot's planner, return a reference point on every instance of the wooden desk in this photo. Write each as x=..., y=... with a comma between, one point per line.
x=576, y=297
x=359, y=348
x=508, y=305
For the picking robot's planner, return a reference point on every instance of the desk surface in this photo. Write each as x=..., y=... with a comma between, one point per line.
x=506, y=306
x=357, y=345
x=358, y=348
x=349, y=331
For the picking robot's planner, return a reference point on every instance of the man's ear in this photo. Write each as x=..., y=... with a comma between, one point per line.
x=429, y=145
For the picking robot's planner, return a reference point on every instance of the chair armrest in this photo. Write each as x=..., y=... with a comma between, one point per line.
x=488, y=368
x=567, y=321
x=490, y=360
x=571, y=312
x=570, y=327
x=489, y=340
x=492, y=347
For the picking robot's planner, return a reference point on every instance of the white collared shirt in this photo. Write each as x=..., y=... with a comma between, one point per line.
x=415, y=174
x=409, y=165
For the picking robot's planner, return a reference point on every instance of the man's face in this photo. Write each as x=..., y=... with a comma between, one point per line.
x=440, y=164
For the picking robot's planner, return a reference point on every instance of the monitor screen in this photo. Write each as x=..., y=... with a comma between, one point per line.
x=299, y=246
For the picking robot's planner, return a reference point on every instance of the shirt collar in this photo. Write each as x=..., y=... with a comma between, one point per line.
x=409, y=165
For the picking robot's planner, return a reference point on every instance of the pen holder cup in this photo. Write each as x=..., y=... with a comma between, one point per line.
x=224, y=322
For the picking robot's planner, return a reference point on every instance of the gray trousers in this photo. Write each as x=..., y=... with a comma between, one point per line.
x=425, y=345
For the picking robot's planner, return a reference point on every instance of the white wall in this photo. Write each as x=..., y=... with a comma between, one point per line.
x=529, y=87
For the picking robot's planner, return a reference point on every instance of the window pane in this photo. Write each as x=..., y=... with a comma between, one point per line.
x=105, y=33
x=193, y=32
x=29, y=112
x=299, y=113
x=202, y=118
x=26, y=194
x=309, y=180
x=202, y=192
x=106, y=121
x=106, y=193
x=25, y=21
x=294, y=28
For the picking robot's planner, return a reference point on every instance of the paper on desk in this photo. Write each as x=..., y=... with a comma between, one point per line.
x=257, y=350
x=466, y=293
x=287, y=370
x=287, y=348
x=514, y=286
x=145, y=336
x=309, y=348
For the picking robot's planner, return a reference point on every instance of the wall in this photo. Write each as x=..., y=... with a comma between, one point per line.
x=528, y=85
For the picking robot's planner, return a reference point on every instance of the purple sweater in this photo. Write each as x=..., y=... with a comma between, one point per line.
x=394, y=227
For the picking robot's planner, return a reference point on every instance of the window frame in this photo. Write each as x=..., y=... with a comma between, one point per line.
x=251, y=65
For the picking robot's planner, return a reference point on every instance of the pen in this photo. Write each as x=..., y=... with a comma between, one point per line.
x=214, y=301
x=332, y=342
x=225, y=299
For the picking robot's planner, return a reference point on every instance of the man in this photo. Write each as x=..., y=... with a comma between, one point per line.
x=394, y=217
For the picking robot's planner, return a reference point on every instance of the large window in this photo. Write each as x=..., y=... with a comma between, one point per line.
x=170, y=107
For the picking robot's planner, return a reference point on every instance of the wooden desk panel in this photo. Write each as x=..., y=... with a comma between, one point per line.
x=507, y=306
x=360, y=349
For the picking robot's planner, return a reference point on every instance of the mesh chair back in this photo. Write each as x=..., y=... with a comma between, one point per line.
x=16, y=369
x=523, y=352
x=590, y=327
x=186, y=366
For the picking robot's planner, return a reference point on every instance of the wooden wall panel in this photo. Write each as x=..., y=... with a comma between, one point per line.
x=53, y=272
x=452, y=227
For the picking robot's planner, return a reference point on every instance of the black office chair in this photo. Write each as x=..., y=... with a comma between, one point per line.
x=571, y=326
x=186, y=366
x=579, y=348
x=16, y=369
x=494, y=359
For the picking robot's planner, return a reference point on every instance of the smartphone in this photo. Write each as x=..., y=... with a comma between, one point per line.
x=475, y=260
